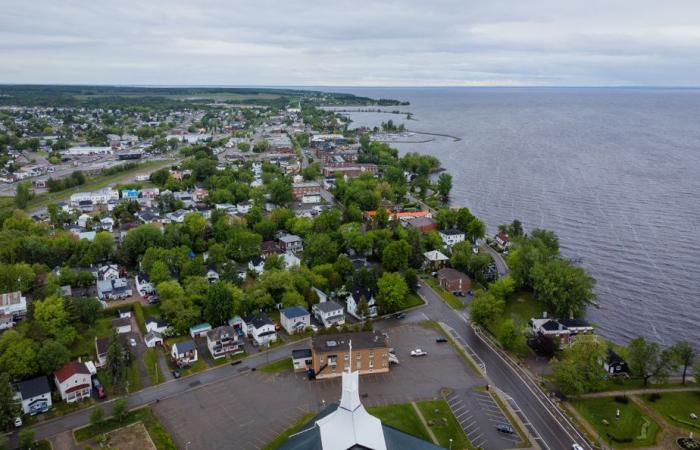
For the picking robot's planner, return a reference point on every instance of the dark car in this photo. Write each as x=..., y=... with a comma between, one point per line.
x=441, y=340
x=176, y=373
x=99, y=389
x=505, y=428
x=400, y=315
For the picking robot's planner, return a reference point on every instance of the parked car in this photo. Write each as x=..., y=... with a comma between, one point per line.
x=132, y=341
x=441, y=340
x=505, y=428
x=399, y=315
x=576, y=447
x=419, y=352
x=176, y=373
x=99, y=389
x=18, y=422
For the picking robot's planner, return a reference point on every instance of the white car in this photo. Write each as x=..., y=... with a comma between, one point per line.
x=418, y=352
x=576, y=447
x=132, y=341
x=18, y=422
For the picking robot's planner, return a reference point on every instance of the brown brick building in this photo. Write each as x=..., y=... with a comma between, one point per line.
x=330, y=353
x=453, y=280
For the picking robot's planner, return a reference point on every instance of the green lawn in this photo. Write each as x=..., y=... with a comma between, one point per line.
x=448, y=297
x=410, y=301
x=296, y=426
x=522, y=307
x=133, y=377
x=159, y=435
x=281, y=365
x=676, y=408
x=402, y=417
x=150, y=359
x=85, y=346
x=632, y=429
x=444, y=424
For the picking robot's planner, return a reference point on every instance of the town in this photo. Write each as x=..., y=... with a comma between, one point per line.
x=215, y=269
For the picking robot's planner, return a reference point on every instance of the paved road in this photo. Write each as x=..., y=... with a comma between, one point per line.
x=540, y=415
x=501, y=265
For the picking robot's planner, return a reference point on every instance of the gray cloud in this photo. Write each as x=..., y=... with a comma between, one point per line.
x=412, y=42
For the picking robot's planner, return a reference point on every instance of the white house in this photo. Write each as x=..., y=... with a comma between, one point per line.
x=113, y=289
x=34, y=395
x=160, y=326
x=353, y=301
x=244, y=207
x=122, y=325
x=73, y=381
x=212, y=276
x=153, y=338
x=99, y=197
x=290, y=260
x=295, y=319
x=451, y=237
x=83, y=220
x=199, y=330
x=107, y=272
x=184, y=353
x=256, y=264
x=13, y=304
x=107, y=224
x=329, y=313
x=143, y=285
x=261, y=329
x=302, y=359
x=222, y=341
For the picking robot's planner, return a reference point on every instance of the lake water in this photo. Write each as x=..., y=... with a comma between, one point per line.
x=614, y=172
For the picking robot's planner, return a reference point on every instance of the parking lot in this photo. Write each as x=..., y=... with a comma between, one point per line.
x=250, y=410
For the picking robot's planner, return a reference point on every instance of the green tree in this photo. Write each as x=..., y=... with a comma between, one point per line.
x=102, y=246
x=395, y=256
x=647, y=361
x=684, y=355
x=392, y=292
x=159, y=272
x=502, y=288
x=120, y=409
x=51, y=356
x=218, y=308
x=117, y=363
x=243, y=146
x=444, y=186
x=565, y=289
x=9, y=408
x=319, y=248
x=578, y=370
x=17, y=355
x=26, y=439
x=485, y=307
x=23, y=194
x=97, y=417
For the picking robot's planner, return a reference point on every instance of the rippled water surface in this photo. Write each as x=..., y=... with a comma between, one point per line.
x=615, y=172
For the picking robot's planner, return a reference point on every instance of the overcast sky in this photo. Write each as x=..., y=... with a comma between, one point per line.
x=370, y=43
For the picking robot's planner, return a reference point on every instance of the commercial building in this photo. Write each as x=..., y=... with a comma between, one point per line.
x=331, y=353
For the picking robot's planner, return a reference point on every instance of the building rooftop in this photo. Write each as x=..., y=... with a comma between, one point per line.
x=341, y=341
x=33, y=387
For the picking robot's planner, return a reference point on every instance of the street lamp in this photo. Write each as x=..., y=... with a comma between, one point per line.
x=450, y=443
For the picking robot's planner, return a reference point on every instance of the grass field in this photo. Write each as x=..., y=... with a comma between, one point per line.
x=448, y=297
x=676, y=408
x=444, y=424
x=85, y=346
x=402, y=417
x=281, y=365
x=632, y=429
x=410, y=301
x=150, y=359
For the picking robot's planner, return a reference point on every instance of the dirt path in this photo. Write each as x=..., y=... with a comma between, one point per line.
x=425, y=424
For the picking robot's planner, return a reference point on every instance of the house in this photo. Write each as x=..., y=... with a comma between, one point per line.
x=199, y=194
x=550, y=328
x=177, y=216
x=311, y=198
x=84, y=220
x=199, y=330
x=290, y=260
x=183, y=353
x=453, y=280
x=309, y=187
x=256, y=264
x=73, y=381
x=107, y=272
x=331, y=353
x=122, y=325
x=130, y=194
x=244, y=207
x=222, y=341
x=113, y=289
x=295, y=319
x=451, y=237
x=34, y=395
x=577, y=326
x=153, y=338
x=424, y=225
x=6, y=322
x=435, y=259
x=268, y=248
x=614, y=364
x=353, y=301
x=143, y=285
x=291, y=243
x=124, y=312
x=160, y=326
x=101, y=347
x=13, y=304
x=212, y=276
x=107, y=224
x=301, y=359
x=502, y=240
x=329, y=313
x=261, y=329
x=150, y=193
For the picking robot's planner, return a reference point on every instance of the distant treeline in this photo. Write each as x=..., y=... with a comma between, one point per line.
x=76, y=178
x=120, y=168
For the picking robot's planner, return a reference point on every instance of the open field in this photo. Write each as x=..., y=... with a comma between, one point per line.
x=676, y=407
x=632, y=429
x=132, y=437
x=402, y=417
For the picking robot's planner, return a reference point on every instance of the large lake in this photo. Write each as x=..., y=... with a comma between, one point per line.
x=614, y=172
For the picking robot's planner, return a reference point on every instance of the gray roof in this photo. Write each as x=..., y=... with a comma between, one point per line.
x=340, y=341
x=33, y=387
x=328, y=306
x=185, y=346
x=302, y=353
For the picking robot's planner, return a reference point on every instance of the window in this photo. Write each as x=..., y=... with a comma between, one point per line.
x=359, y=364
x=347, y=357
x=371, y=363
x=332, y=360
x=371, y=354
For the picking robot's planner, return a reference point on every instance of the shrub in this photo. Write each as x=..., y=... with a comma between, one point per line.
x=654, y=397
x=622, y=399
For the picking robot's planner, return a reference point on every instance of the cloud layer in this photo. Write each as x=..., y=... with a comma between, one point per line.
x=387, y=43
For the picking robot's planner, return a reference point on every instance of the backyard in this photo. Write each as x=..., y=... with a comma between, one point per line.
x=676, y=408
x=630, y=429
